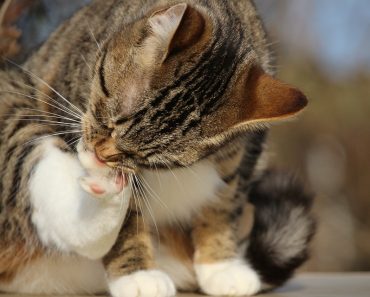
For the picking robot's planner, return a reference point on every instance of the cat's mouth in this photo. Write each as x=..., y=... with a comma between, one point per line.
x=114, y=162
x=91, y=160
x=99, y=160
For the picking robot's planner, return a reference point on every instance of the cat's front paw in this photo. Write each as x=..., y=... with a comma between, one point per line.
x=103, y=187
x=100, y=181
x=144, y=283
x=90, y=161
x=228, y=278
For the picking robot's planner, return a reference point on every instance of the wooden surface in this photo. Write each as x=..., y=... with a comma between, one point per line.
x=317, y=285
x=326, y=285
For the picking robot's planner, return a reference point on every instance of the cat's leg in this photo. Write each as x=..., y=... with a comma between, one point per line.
x=130, y=266
x=220, y=267
x=66, y=216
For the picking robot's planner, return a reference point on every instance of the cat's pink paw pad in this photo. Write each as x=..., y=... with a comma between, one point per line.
x=103, y=187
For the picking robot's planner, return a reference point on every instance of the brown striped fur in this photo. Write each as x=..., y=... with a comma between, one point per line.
x=207, y=94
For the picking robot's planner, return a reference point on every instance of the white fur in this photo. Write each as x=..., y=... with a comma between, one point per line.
x=231, y=278
x=182, y=275
x=176, y=195
x=89, y=160
x=148, y=283
x=287, y=247
x=65, y=216
x=62, y=275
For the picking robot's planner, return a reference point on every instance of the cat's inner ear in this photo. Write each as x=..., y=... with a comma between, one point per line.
x=257, y=97
x=165, y=23
x=173, y=29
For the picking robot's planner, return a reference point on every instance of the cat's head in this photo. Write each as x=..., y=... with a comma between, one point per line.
x=175, y=85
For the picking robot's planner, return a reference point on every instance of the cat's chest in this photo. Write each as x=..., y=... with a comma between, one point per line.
x=174, y=196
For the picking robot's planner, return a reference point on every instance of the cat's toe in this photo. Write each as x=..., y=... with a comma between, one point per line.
x=102, y=187
x=228, y=278
x=144, y=283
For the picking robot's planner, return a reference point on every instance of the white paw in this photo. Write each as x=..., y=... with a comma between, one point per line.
x=101, y=181
x=228, y=278
x=103, y=187
x=144, y=283
x=90, y=161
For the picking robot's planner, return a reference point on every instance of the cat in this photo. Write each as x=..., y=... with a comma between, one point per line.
x=132, y=142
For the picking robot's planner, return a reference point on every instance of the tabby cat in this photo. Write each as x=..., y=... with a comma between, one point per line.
x=131, y=144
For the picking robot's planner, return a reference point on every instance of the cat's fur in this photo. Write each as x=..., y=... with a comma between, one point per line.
x=177, y=95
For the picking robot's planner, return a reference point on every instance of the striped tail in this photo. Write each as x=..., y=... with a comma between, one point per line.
x=283, y=227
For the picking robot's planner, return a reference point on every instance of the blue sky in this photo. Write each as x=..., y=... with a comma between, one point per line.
x=343, y=27
x=336, y=33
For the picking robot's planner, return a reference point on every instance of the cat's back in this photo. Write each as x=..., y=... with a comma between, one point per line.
x=91, y=25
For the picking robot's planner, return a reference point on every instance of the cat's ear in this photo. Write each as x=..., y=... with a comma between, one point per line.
x=173, y=29
x=257, y=97
x=164, y=23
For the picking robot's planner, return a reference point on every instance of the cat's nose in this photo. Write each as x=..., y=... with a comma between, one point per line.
x=106, y=151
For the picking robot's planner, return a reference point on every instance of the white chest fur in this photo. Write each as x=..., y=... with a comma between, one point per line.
x=176, y=195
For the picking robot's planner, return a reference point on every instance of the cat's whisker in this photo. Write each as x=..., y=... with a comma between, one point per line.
x=52, y=135
x=165, y=162
x=135, y=199
x=40, y=117
x=52, y=123
x=158, y=200
x=67, y=110
x=61, y=108
x=73, y=141
x=157, y=172
x=129, y=184
x=121, y=204
x=87, y=64
x=46, y=84
x=147, y=203
x=196, y=175
x=50, y=115
x=139, y=202
x=151, y=191
x=38, y=99
x=94, y=38
x=120, y=172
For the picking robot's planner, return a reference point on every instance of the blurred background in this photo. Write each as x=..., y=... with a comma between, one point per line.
x=322, y=47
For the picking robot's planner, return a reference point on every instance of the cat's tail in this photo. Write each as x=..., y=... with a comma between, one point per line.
x=282, y=229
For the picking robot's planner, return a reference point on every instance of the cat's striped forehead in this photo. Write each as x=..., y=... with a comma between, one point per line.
x=193, y=79
x=175, y=82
